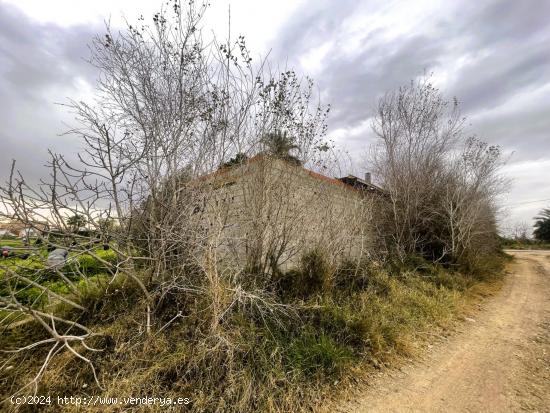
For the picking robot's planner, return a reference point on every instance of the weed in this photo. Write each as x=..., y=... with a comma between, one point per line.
x=343, y=316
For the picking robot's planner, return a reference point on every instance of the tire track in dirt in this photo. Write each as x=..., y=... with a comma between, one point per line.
x=499, y=362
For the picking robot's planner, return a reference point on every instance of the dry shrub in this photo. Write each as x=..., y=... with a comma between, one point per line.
x=314, y=276
x=261, y=356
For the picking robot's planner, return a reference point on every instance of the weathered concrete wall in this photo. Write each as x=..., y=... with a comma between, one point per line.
x=270, y=212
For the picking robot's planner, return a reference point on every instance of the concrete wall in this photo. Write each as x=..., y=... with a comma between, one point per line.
x=269, y=211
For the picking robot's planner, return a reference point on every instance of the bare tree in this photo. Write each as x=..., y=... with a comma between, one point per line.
x=169, y=109
x=441, y=186
x=468, y=201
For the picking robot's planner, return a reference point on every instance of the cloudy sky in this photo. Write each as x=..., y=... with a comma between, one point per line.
x=494, y=56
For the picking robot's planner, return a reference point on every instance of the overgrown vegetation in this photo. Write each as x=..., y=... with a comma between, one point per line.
x=338, y=320
x=441, y=186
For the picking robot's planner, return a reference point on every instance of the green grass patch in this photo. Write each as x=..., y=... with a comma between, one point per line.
x=11, y=242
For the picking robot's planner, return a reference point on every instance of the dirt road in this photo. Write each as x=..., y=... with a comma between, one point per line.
x=499, y=361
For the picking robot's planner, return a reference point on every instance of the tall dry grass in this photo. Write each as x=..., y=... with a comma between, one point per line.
x=317, y=323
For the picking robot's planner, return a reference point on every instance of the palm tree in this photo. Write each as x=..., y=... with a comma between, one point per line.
x=239, y=159
x=76, y=222
x=542, y=225
x=279, y=145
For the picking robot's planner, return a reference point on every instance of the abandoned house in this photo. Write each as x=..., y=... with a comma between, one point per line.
x=266, y=213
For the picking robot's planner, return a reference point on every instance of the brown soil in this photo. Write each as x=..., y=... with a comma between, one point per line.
x=498, y=361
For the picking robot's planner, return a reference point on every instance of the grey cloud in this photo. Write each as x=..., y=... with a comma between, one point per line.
x=503, y=71
x=352, y=83
x=353, y=86
x=40, y=64
x=525, y=132
x=313, y=22
x=503, y=21
x=504, y=45
x=41, y=55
